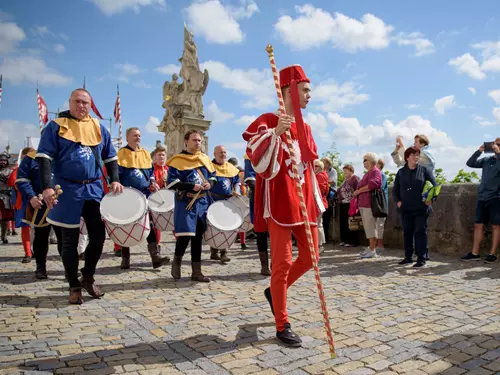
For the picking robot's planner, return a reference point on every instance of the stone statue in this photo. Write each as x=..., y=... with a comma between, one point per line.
x=194, y=80
x=183, y=101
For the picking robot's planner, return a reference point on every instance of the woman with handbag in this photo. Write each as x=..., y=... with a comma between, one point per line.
x=407, y=193
x=371, y=181
x=345, y=194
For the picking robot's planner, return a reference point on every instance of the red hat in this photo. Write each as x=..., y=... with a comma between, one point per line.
x=292, y=73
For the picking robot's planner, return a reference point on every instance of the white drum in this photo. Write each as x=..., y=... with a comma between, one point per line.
x=223, y=222
x=161, y=205
x=83, y=227
x=243, y=203
x=126, y=217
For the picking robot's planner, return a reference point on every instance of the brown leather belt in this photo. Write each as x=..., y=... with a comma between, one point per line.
x=191, y=195
x=221, y=196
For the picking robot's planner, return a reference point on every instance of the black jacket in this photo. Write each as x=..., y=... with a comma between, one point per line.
x=408, y=187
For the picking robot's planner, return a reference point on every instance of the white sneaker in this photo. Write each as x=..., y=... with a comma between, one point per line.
x=365, y=251
x=369, y=254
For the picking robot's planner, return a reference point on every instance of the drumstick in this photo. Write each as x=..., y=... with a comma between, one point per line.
x=303, y=209
x=40, y=197
x=191, y=203
x=57, y=194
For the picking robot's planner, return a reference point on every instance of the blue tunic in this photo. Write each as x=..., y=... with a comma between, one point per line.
x=224, y=187
x=72, y=163
x=185, y=220
x=249, y=175
x=28, y=183
x=137, y=178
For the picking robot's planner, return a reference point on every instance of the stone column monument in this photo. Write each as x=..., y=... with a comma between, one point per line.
x=183, y=100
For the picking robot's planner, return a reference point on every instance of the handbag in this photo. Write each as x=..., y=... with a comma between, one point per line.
x=353, y=207
x=379, y=203
x=355, y=223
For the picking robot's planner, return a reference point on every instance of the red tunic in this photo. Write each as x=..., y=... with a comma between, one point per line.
x=160, y=174
x=276, y=195
x=324, y=187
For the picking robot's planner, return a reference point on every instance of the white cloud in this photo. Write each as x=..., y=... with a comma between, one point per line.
x=333, y=96
x=31, y=69
x=422, y=45
x=41, y=30
x=412, y=106
x=319, y=126
x=236, y=145
x=217, y=115
x=142, y=84
x=315, y=26
x=496, y=114
x=169, y=69
x=59, y=48
x=218, y=23
x=10, y=37
x=445, y=103
x=381, y=139
x=472, y=90
x=483, y=121
x=127, y=69
x=490, y=52
x=467, y=64
x=256, y=84
x=15, y=132
x=495, y=95
x=245, y=120
x=152, y=125
x=111, y=7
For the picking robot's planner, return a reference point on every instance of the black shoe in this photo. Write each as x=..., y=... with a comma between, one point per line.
x=243, y=246
x=5, y=240
x=289, y=338
x=470, y=256
x=269, y=298
x=41, y=274
x=406, y=261
x=26, y=260
x=419, y=264
x=490, y=258
x=14, y=233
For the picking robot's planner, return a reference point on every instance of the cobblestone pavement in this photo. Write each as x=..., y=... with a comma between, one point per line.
x=387, y=319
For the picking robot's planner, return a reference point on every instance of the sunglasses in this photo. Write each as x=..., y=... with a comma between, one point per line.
x=364, y=160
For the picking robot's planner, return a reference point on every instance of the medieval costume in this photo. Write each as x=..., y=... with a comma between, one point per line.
x=136, y=171
x=228, y=181
x=72, y=150
x=277, y=208
x=6, y=209
x=185, y=171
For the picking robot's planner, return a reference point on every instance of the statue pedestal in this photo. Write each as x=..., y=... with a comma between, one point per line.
x=175, y=139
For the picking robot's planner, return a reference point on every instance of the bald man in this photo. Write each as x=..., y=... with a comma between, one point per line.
x=228, y=184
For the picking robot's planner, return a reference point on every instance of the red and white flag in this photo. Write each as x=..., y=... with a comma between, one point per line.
x=117, y=111
x=92, y=104
x=43, y=113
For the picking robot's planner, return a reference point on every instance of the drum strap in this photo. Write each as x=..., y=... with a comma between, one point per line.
x=98, y=163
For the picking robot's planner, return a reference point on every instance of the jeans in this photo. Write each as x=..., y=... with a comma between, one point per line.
x=415, y=231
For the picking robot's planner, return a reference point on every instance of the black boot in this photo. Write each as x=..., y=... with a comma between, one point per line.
x=125, y=265
x=41, y=272
x=264, y=263
x=288, y=337
x=269, y=298
x=176, y=267
x=223, y=256
x=156, y=258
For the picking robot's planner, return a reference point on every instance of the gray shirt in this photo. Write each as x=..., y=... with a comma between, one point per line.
x=332, y=177
x=489, y=188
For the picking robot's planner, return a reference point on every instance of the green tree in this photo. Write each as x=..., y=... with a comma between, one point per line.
x=391, y=176
x=440, y=176
x=465, y=177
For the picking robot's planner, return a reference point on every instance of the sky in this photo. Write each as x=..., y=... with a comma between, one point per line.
x=377, y=69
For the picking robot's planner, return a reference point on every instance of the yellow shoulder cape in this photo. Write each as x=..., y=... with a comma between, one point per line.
x=184, y=162
x=134, y=159
x=86, y=131
x=31, y=154
x=246, y=157
x=226, y=170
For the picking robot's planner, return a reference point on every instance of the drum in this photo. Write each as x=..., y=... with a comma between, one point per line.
x=223, y=222
x=126, y=217
x=243, y=203
x=161, y=205
x=83, y=227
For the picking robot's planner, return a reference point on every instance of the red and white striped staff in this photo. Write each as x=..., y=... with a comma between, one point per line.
x=43, y=113
x=303, y=208
x=118, y=116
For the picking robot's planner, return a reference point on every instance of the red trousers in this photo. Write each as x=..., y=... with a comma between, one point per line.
x=284, y=272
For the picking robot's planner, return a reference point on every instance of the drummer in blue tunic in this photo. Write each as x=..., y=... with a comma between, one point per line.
x=228, y=184
x=72, y=148
x=262, y=237
x=192, y=175
x=136, y=171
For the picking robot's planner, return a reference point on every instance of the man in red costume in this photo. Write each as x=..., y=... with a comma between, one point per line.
x=277, y=208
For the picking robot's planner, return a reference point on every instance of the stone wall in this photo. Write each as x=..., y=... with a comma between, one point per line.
x=451, y=225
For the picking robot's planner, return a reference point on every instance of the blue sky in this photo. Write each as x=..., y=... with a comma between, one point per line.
x=378, y=69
